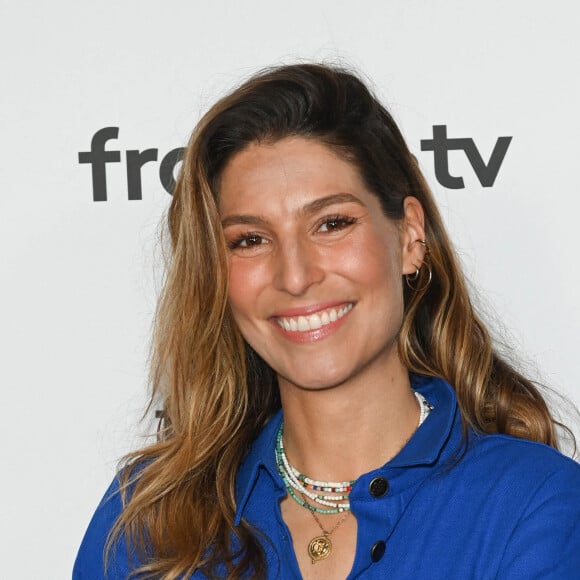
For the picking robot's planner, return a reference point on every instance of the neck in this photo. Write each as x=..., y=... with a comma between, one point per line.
x=341, y=432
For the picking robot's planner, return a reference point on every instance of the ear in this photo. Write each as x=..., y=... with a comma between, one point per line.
x=412, y=235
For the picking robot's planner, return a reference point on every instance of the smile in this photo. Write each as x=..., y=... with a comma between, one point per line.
x=313, y=321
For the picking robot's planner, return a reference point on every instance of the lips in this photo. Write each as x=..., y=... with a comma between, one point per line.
x=314, y=321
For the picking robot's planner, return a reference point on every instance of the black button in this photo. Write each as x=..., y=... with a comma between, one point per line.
x=379, y=486
x=378, y=551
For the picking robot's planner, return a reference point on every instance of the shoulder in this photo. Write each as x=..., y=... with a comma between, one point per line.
x=502, y=478
x=535, y=491
x=90, y=561
x=521, y=470
x=508, y=507
x=521, y=459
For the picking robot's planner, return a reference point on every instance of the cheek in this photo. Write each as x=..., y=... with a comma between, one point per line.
x=375, y=262
x=246, y=279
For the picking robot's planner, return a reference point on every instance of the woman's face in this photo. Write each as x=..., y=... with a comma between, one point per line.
x=315, y=267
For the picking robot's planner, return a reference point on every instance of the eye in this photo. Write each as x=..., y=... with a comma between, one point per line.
x=246, y=241
x=335, y=223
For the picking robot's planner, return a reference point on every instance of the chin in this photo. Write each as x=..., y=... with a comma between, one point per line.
x=316, y=379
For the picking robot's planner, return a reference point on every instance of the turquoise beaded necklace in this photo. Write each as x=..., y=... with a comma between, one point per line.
x=334, y=498
x=298, y=484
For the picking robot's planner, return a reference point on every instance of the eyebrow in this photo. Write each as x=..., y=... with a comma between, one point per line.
x=309, y=208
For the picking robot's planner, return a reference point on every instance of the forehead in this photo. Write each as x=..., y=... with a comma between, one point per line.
x=292, y=169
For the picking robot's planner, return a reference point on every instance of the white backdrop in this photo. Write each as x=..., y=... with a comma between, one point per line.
x=79, y=277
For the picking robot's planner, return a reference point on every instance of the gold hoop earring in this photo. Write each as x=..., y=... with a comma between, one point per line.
x=410, y=279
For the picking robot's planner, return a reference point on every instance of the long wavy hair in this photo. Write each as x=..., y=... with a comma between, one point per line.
x=216, y=393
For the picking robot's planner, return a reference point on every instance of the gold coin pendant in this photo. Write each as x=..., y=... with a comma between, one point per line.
x=319, y=548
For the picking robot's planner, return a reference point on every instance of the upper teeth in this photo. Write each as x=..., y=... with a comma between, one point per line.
x=313, y=321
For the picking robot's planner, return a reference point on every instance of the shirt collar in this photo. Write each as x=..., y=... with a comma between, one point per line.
x=430, y=440
x=425, y=447
x=261, y=456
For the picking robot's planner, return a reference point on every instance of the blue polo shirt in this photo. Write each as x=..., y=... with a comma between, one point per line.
x=502, y=508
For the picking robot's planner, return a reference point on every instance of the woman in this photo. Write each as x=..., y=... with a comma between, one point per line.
x=332, y=405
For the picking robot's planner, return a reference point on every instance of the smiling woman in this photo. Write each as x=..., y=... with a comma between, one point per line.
x=333, y=407
x=320, y=247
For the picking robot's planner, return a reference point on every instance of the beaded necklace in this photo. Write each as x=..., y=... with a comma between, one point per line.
x=299, y=486
x=335, y=495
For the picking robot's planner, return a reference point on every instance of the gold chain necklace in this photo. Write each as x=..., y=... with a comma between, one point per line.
x=320, y=547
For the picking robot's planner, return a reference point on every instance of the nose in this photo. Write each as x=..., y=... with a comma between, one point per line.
x=297, y=266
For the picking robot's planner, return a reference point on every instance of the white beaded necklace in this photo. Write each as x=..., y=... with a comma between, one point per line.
x=424, y=407
x=299, y=484
x=335, y=494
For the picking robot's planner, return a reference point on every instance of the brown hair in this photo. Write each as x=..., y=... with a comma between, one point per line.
x=216, y=392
